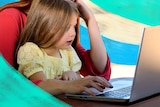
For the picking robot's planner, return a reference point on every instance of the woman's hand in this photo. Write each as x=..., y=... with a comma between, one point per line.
x=98, y=52
x=85, y=83
x=55, y=86
x=85, y=12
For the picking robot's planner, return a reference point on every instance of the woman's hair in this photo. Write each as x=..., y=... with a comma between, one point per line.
x=23, y=5
x=46, y=20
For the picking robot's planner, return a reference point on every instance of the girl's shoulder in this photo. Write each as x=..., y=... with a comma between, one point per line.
x=31, y=45
x=30, y=49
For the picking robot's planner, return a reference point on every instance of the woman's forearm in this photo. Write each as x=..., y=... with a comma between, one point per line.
x=53, y=86
x=98, y=51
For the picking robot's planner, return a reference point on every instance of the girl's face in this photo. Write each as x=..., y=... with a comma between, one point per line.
x=69, y=35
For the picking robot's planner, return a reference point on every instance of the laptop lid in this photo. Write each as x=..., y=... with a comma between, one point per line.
x=146, y=79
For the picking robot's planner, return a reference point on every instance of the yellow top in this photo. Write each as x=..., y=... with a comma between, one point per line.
x=32, y=59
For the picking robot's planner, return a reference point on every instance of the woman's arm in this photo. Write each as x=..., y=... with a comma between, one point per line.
x=88, y=67
x=12, y=21
x=55, y=86
x=98, y=52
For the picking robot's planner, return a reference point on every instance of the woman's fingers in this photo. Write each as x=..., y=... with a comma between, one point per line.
x=96, y=82
x=87, y=90
x=99, y=80
x=103, y=82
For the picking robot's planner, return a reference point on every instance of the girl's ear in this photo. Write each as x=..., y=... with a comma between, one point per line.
x=77, y=38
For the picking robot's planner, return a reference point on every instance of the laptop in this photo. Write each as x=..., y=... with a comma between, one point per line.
x=145, y=82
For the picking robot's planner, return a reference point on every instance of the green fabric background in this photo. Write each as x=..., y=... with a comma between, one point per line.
x=17, y=91
x=143, y=11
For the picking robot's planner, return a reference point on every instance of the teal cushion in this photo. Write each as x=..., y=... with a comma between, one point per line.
x=17, y=91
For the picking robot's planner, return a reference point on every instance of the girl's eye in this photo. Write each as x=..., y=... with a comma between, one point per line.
x=67, y=28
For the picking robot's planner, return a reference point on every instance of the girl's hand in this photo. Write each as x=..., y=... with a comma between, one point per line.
x=70, y=75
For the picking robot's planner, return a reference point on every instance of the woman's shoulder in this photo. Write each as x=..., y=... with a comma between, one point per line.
x=12, y=11
x=12, y=14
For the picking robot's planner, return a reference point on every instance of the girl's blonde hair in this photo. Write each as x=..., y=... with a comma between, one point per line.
x=46, y=20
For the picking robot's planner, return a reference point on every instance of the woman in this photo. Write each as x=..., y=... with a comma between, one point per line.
x=95, y=61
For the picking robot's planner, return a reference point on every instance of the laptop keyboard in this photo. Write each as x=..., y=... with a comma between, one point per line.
x=119, y=93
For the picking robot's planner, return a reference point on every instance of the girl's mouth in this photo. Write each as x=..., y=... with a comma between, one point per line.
x=69, y=42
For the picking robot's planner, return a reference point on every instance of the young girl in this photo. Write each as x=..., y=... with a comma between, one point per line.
x=46, y=41
x=16, y=13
